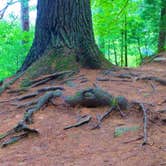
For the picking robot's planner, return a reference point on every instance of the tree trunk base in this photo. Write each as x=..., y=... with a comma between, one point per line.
x=54, y=60
x=51, y=62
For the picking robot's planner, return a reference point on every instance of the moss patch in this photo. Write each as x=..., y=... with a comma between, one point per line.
x=52, y=61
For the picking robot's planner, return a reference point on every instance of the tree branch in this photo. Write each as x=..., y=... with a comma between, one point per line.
x=2, y=11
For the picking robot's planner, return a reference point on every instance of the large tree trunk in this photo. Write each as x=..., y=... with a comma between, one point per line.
x=162, y=28
x=64, y=25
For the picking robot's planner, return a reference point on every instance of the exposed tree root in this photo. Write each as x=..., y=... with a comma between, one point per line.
x=34, y=94
x=6, y=85
x=152, y=78
x=93, y=97
x=145, y=123
x=84, y=80
x=41, y=101
x=102, y=79
x=14, y=139
x=50, y=88
x=121, y=80
x=30, y=95
x=40, y=82
x=136, y=77
x=89, y=97
x=144, y=110
x=45, y=89
x=22, y=125
x=26, y=105
x=100, y=118
x=47, y=78
x=21, y=90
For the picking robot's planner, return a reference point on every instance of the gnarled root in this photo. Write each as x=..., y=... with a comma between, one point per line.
x=22, y=127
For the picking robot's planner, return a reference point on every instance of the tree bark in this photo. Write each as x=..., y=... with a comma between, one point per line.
x=125, y=42
x=121, y=49
x=25, y=15
x=61, y=25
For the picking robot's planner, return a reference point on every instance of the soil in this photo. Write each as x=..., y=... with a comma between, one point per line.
x=82, y=146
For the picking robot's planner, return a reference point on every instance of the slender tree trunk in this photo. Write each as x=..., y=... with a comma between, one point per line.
x=125, y=42
x=115, y=54
x=25, y=15
x=109, y=47
x=64, y=25
x=162, y=28
x=139, y=48
x=122, y=43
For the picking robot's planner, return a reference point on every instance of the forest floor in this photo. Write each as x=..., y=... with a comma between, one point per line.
x=100, y=147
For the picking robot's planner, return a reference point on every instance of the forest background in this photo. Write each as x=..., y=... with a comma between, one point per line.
x=126, y=31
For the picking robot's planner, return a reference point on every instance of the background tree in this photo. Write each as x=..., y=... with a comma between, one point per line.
x=25, y=15
x=142, y=18
x=143, y=29
x=162, y=28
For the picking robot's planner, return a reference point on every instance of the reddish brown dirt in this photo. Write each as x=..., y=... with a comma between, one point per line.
x=82, y=146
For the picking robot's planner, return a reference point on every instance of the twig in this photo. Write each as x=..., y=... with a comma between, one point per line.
x=82, y=120
x=2, y=11
x=133, y=140
x=153, y=87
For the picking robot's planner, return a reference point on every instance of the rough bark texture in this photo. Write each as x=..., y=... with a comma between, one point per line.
x=64, y=25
